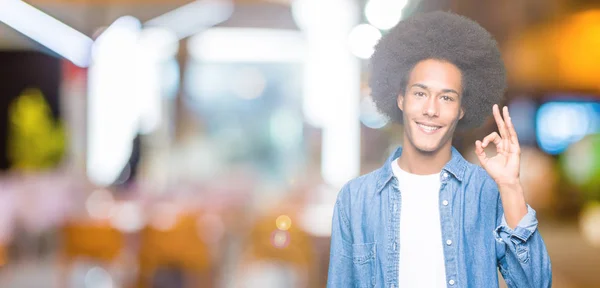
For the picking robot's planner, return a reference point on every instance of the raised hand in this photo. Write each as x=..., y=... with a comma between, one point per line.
x=504, y=167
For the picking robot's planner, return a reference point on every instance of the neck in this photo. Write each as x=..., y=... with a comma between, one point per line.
x=424, y=163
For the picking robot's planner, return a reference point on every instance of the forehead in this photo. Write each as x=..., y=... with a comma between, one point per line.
x=436, y=74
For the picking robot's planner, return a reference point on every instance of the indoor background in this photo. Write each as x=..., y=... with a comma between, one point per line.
x=178, y=143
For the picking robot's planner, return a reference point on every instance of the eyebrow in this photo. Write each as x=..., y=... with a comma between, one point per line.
x=427, y=88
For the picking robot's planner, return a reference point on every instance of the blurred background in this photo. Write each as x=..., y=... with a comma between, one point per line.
x=178, y=143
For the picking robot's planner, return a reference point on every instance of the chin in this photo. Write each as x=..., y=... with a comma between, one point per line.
x=428, y=148
x=425, y=145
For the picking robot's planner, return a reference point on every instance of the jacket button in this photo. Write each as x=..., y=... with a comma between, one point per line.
x=448, y=242
x=445, y=202
x=451, y=282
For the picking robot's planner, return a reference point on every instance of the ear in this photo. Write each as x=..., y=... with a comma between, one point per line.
x=400, y=101
x=462, y=113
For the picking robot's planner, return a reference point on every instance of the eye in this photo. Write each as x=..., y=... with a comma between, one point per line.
x=419, y=94
x=447, y=98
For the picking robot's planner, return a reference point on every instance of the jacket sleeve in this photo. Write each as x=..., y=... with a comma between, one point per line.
x=521, y=253
x=340, y=258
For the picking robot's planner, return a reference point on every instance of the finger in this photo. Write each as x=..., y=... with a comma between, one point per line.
x=499, y=121
x=497, y=140
x=507, y=140
x=493, y=137
x=480, y=152
x=514, y=139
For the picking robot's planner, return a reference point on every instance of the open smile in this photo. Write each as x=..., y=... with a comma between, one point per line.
x=428, y=128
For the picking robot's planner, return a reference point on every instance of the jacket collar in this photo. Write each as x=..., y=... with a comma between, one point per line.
x=456, y=166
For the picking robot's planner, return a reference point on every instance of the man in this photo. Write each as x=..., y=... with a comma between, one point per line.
x=429, y=218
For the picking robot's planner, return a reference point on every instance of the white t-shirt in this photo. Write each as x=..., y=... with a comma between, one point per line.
x=421, y=244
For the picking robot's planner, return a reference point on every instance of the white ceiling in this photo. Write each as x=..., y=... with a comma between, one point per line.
x=88, y=18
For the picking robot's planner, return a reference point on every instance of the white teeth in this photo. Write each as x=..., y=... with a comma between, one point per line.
x=428, y=128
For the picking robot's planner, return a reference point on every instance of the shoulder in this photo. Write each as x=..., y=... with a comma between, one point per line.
x=360, y=190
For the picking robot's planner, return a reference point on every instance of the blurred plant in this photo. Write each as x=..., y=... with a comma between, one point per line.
x=581, y=165
x=36, y=141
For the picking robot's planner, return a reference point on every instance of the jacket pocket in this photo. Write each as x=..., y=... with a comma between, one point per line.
x=364, y=261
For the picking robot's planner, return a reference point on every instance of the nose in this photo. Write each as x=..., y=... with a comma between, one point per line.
x=431, y=107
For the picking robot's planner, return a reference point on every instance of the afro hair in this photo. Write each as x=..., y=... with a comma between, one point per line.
x=444, y=36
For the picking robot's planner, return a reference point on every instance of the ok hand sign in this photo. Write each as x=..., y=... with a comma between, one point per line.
x=504, y=168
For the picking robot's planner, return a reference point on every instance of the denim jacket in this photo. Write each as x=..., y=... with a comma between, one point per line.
x=366, y=223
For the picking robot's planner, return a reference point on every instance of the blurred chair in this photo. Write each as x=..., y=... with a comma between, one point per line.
x=95, y=241
x=3, y=256
x=175, y=252
x=274, y=256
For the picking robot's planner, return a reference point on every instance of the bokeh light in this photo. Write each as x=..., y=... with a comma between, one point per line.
x=97, y=277
x=362, y=40
x=590, y=223
x=581, y=165
x=283, y=222
x=384, y=14
x=560, y=124
x=128, y=217
x=370, y=116
x=164, y=216
x=100, y=204
x=280, y=239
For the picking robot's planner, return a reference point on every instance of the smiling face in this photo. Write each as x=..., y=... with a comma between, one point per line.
x=431, y=105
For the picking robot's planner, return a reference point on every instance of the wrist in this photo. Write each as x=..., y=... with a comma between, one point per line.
x=513, y=201
x=509, y=184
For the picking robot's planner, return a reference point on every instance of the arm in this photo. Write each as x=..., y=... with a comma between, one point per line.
x=340, y=258
x=520, y=250
x=521, y=253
